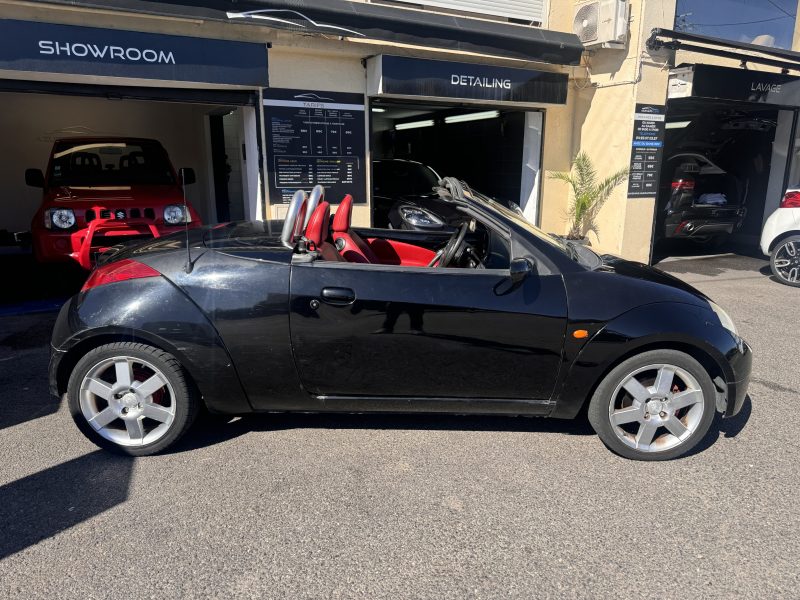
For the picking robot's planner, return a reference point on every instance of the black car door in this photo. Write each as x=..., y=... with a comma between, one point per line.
x=380, y=331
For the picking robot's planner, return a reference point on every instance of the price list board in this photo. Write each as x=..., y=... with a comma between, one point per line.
x=648, y=144
x=315, y=138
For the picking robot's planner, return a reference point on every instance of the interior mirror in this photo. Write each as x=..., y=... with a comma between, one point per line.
x=520, y=268
x=34, y=178
x=186, y=176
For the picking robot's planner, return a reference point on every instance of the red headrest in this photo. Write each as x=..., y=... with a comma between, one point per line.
x=341, y=220
x=317, y=229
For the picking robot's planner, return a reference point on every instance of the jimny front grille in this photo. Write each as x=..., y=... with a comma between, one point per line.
x=120, y=214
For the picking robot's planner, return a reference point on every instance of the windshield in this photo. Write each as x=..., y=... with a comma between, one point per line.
x=402, y=178
x=78, y=163
x=576, y=251
x=516, y=217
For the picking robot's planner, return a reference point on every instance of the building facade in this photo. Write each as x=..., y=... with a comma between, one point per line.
x=261, y=97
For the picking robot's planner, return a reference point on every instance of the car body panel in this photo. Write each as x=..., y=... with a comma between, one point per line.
x=261, y=327
x=155, y=312
x=420, y=332
x=782, y=221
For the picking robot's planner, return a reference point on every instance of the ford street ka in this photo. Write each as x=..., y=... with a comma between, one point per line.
x=494, y=318
x=98, y=192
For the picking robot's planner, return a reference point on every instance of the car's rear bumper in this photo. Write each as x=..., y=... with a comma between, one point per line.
x=698, y=228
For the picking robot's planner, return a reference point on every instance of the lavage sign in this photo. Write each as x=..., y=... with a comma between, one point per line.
x=29, y=46
x=81, y=50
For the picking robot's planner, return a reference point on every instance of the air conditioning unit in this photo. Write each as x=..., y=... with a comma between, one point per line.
x=601, y=23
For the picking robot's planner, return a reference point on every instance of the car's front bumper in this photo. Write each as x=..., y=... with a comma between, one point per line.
x=741, y=363
x=82, y=244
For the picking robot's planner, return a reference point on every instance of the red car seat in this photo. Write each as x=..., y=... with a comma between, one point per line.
x=349, y=244
x=318, y=231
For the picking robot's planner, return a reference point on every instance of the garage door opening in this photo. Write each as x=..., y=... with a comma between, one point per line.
x=496, y=151
x=723, y=172
x=211, y=139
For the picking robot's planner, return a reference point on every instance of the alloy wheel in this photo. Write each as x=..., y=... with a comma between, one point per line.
x=127, y=401
x=787, y=262
x=656, y=408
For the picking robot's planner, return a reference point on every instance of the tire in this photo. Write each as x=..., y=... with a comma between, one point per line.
x=670, y=382
x=784, y=260
x=138, y=414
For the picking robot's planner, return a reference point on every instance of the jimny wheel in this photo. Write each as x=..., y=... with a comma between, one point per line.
x=785, y=261
x=131, y=398
x=654, y=406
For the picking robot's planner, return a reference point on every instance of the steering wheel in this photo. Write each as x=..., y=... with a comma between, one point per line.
x=453, y=249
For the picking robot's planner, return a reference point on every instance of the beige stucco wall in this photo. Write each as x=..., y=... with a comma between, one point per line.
x=603, y=98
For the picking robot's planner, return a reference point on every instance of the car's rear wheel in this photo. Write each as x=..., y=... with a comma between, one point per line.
x=131, y=398
x=785, y=261
x=654, y=406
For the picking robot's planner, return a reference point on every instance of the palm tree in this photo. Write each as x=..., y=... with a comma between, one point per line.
x=588, y=195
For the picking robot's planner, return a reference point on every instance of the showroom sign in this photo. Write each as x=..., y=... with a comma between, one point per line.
x=49, y=48
x=402, y=76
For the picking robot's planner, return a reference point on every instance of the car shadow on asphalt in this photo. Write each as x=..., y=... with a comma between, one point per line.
x=24, y=355
x=46, y=503
x=215, y=429
x=726, y=427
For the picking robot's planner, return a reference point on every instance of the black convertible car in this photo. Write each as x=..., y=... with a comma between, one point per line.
x=497, y=318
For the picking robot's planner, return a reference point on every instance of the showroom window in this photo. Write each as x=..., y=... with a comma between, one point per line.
x=764, y=22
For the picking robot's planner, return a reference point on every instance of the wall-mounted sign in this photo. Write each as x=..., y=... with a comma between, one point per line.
x=401, y=76
x=315, y=138
x=648, y=143
x=709, y=81
x=49, y=48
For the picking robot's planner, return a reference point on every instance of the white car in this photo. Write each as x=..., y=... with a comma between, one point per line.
x=780, y=239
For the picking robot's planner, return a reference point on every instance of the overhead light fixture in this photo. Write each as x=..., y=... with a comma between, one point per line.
x=676, y=124
x=414, y=125
x=478, y=116
x=378, y=110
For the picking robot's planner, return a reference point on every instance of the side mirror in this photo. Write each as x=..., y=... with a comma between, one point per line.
x=34, y=178
x=520, y=269
x=186, y=176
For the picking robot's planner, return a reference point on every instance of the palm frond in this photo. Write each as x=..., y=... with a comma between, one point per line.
x=588, y=196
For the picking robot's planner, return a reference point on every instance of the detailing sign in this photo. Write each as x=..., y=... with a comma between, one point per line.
x=315, y=138
x=648, y=143
x=402, y=76
x=49, y=48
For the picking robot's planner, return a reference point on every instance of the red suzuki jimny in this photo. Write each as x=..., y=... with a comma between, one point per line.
x=99, y=192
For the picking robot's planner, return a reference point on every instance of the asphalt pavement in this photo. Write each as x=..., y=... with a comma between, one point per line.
x=309, y=506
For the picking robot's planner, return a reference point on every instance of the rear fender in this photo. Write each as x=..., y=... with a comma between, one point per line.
x=152, y=311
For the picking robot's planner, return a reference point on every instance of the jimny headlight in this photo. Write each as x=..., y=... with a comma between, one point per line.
x=174, y=214
x=419, y=217
x=60, y=218
x=724, y=318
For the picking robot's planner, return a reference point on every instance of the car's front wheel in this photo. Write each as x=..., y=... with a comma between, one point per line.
x=131, y=398
x=785, y=261
x=654, y=406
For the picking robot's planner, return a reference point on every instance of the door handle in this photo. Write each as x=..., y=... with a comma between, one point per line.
x=338, y=296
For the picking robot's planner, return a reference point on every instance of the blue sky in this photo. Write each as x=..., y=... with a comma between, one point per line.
x=739, y=20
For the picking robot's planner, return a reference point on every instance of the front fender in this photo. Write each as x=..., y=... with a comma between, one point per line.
x=152, y=311
x=648, y=327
